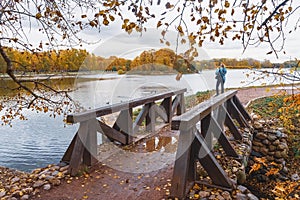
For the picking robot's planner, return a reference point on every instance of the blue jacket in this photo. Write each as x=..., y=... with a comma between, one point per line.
x=222, y=72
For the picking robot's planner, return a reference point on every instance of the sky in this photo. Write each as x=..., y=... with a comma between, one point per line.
x=113, y=41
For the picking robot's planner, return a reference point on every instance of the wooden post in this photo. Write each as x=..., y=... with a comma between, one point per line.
x=182, y=164
x=167, y=105
x=206, y=131
x=150, y=118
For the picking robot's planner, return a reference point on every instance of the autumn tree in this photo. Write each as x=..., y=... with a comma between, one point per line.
x=195, y=21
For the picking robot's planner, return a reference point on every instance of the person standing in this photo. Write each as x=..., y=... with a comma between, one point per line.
x=220, y=76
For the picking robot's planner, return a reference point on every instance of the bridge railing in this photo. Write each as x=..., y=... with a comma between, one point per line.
x=198, y=127
x=83, y=147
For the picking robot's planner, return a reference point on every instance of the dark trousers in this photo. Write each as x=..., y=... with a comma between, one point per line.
x=220, y=82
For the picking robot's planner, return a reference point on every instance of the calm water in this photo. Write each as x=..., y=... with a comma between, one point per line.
x=42, y=140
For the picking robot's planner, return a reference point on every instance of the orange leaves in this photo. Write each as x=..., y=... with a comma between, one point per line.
x=284, y=189
x=255, y=167
x=272, y=171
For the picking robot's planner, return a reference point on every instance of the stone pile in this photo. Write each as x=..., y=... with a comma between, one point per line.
x=17, y=185
x=268, y=143
x=206, y=193
x=269, y=151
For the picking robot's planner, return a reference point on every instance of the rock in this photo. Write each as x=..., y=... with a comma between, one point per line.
x=240, y=196
x=55, y=181
x=295, y=177
x=256, y=154
x=226, y=195
x=282, y=146
x=261, y=135
x=47, y=187
x=204, y=194
x=270, y=158
x=257, y=125
x=242, y=188
x=38, y=184
x=13, y=198
x=2, y=194
x=252, y=197
x=15, y=179
x=257, y=143
x=219, y=197
x=272, y=148
x=264, y=151
x=272, y=137
x=266, y=142
x=285, y=170
x=241, y=177
x=278, y=154
x=55, y=173
x=276, y=142
x=64, y=168
x=25, y=197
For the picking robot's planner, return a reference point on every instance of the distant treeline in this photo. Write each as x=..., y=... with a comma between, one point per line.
x=71, y=60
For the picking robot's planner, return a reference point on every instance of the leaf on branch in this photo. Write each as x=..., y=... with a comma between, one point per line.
x=269, y=52
x=168, y=5
x=179, y=28
x=158, y=24
x=38, y=15
x=227, y=4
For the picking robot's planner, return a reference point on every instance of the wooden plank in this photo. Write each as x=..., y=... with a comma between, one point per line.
x=67, y=156
x=77, y=154
x=211, y=166
x=160, y=112
x=140, y=118
x=191, y=117
x=241, y=108
x=232, y=127
x=90, y=151
x=124, y=124
x=206, y=131
x=235, y=113
x=175, y=103
x=181, y=106
x=150, y=118
x=222, y=139
x=112, y=133
x=167, y=105
x=182, y=162
x=109, y=109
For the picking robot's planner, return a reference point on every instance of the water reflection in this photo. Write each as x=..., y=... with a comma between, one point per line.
x=165, y=144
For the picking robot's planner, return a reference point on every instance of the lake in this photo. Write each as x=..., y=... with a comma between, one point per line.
x=42, y=140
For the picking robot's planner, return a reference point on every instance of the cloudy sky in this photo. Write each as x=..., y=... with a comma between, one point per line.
x=114, y=42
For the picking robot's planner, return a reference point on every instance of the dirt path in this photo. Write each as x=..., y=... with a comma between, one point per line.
x=105, y=182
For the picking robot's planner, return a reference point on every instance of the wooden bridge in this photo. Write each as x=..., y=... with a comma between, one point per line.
x=83, y=148
x=197, y=128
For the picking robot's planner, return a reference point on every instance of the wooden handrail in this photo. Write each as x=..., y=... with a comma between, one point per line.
x=109, y=109
x=188, y=119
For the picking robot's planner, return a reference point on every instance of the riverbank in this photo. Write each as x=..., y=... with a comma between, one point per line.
x=104, y=182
